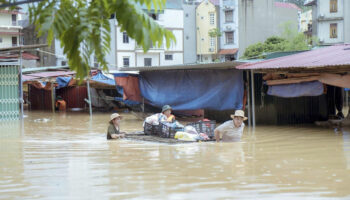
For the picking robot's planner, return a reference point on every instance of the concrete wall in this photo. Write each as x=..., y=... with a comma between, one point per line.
x=203, y=26
x=324, y=32
x=6, y=41
x=347, y=21
x=259, y=20
x=141, y=56
x=5, y=19
x=190, y=53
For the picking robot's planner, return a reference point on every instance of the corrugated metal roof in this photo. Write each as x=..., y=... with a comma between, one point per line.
x=221, y=65
x=286, y=5
x=337, y=55
x=51, y=74
x=309, y=2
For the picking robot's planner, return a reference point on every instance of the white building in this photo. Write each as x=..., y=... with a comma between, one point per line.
x=125, y=52
x=331, y=21
x=229, y=28
x=9, y=28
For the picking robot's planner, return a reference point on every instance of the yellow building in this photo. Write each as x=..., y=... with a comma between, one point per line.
x=206, y=20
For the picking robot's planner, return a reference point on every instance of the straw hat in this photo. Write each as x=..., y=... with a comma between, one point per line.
x=115, y=115
x=165, y=108
x=239, y=113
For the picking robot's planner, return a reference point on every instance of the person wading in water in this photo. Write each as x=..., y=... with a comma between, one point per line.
x=113, y=131
x=231, y=130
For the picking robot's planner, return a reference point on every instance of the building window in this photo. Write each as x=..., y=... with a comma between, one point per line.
x=125, y=38
x=333, y=7
x=14, y=41
x=14, y=20
x=212, y=41
x=148, y=61
x=154, y=16
x=212, y=18
x=333, y=31
x=229, y=16
x=229, y=37
x=126, y=61
x=168, y=57
x=63, y=63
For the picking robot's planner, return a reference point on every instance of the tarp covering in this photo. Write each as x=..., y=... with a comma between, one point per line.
x=193, y=89
x=103, y=79
x=313, y=88
x=336, y=80
x=62, y=81
x=131, y=89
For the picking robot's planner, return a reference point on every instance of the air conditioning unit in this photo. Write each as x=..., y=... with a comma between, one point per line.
x=321, y=16
x=321, y=40
x=211, y=49
x=228, y=28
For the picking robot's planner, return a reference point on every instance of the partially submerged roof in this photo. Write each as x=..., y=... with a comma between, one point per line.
x=333, y=58
x=220, y=65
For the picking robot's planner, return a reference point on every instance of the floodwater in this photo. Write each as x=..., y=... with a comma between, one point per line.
x=66, y=156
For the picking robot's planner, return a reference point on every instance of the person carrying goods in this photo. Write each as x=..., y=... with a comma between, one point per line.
x=231, y=130
x=167, y=116
x=113, y=131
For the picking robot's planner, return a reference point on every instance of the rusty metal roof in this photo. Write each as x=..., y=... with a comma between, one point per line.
x=326, y=57
x=228, y=51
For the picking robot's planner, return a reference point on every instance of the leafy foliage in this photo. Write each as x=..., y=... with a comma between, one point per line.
x=83, y=27
x=290, y=40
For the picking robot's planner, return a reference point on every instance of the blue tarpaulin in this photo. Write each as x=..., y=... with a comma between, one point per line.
x=194, y=89
x=313, y=88
x=103, y=79
x=63, y=81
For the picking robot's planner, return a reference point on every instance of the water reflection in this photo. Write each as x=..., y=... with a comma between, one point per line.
x=67, y=156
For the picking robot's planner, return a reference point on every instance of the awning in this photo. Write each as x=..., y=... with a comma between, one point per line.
x=228, y=51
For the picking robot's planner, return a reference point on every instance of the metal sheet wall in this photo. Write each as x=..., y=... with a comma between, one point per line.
x=9, y=95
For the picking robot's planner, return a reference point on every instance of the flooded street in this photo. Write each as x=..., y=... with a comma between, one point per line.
x=66, y=156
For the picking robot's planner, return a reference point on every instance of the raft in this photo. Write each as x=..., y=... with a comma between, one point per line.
x=141, y=136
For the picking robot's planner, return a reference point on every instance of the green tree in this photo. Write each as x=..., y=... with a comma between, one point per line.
x=290, y=40
x=83, y=28
x=215, y=33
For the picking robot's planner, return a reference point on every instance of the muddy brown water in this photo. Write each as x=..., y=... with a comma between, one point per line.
x=66, y=156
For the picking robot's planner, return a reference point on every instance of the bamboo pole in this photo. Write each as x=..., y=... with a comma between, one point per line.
x=253, y=97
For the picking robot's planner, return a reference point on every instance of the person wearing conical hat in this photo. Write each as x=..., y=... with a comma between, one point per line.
x=231, y=130
x=113, y=131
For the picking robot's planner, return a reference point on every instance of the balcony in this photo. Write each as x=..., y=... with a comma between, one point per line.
x=152, y=48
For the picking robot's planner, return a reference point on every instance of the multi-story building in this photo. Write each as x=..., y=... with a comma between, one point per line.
x=330, y=21
x=190, y=49
x=9, y=28
x=305, y=20
x=126, y=52
x=229, y=29
x=206, y=20
x=258, y=20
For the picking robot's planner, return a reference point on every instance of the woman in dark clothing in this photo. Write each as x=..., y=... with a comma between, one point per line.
x=113, y=131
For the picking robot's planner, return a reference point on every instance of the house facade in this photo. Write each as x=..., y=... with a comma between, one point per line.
x=330, y=21
x=129, y=54
x=9, y=28
x=229, y=29
x=206, y=20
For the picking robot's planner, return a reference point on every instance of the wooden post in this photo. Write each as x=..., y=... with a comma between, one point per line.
x=253, y=97
x=52, y=97
x=89, y=95
x=248, y=100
